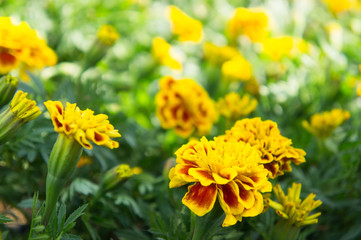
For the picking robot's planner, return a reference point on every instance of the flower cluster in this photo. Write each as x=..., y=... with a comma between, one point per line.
x=227, y=170
x=277, y=152
x=278, y=47
x=237, y=69
x=218, y=55
x=162, y=53
x=83, y=126
x=292, y=208
x=107, y=35
x=185, y=106
x=232, y=106
x=20, y=47
x=187, y=28
x=323, y=124
x=252, y=22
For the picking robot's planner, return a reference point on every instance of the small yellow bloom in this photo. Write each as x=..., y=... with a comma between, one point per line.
x=278, y=47
x=187, y=28
x=323, y=124
x=184, y=106
x=107, y=35
x=218, y=55
x=162, y=53
x=292, y=208
x=24, y=108
x=252, y=22
x=232, y=106
x=237, y=69
x=277, y=152
x=83, y=126
x=338, y=6
x=230, y=171
x=20, y=47
x=84, y=160
x=137, y=170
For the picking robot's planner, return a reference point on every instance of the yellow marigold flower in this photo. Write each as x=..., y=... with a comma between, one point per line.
x=252, y=22
x=278, y=47
x=292, y=208
x=338, y=6
x=84, y=160
x=323, y=124
x=187, y=28
x=185, y=106
x=21, y=47
x=162, y=53
x=83, y=126
x=232, y=106
x=277, y=152
x=107, y=34
x=237, y=69
x=218, y=55
x=230, y=171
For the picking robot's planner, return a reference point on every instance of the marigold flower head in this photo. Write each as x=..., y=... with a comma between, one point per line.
x=276, y=150
x=252, y=22
x=278, y=47
x=237, y=69
x=227, y=170
x=83, y=126
x=107, y=35
x=292, y=208
x=184, y=106
x=162, y=53
x=20, y=47
x=338, y=6
x=323, y=124
x=218, y=55
x=232, y=106
x=187, y=28
x=24, y=108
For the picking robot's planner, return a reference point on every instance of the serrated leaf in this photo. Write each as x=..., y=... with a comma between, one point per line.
x=38, y=228
x=61, y=217
x=40, y=237
x=70, y=237
x=77, y=213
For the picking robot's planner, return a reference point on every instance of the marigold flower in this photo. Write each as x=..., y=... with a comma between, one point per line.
x=107, y=35
x=184, y=106
x=278, y=47
x=252, y=22
x=230, y=171
x=323, y=124
x=218, y=55
x=187, y=28
x=83, y=126
x=338, y=6
x=8, y=86
x=232, y=106
x=277, y=152
x=21, y=47
x=237, y=69
x=292, y=208
x=162, y=53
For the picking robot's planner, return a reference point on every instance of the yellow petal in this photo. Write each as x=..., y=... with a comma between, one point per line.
x=200, y=199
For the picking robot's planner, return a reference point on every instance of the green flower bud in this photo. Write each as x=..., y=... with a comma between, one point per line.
x=115, y=177
x=8, y=86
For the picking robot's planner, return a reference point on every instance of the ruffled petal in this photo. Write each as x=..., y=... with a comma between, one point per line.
x=200, y=199
x=257, y=208
x=204, y=177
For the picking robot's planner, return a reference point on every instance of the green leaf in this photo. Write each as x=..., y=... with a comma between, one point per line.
x=4, y=219
x=61, y=217
x=70, y=237
x=71, y=219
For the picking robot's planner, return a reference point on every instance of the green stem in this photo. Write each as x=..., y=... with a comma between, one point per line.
x=8, y=124
x=285, y=231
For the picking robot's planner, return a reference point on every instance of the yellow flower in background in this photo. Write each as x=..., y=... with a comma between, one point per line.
x=187, y=28
x=358, y=90
x=84, y=160
x=184, y=106
x=83, y=126
x=162, y=53
x=237, y=69
x=278, y=47
x=107, y=35
x=218, y=55
x=338, y=6
x=21, y=48
x=277, y=152
x=230, y=171
x=252, y=86
x=323, y=124
x=252, y=22
x=232, y=106
x=292, y=208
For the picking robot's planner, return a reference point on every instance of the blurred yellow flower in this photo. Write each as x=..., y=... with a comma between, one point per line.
x=84, y=160
x=252, y=86
x=83, y=126
x=137, y=170
x=358, y=90
x=21, y=48
x=107, y=35
x=337, y=6
x=234, y=107
x=323, y=124
x=237, y=69
x=252, y=22
x=278, y=47
x=229, y=170
x=184, y=106
x=187, y=28
x=292, y=208
x=162, y=53
x=277, y=152
x=218, y=55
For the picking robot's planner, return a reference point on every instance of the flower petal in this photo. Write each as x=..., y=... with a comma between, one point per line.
x=257, y=208
x=229, y=200
x=200, y=199
x=205, y=178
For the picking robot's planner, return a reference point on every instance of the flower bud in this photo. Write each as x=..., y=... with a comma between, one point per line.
x=8, y=86
x=115, y=177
